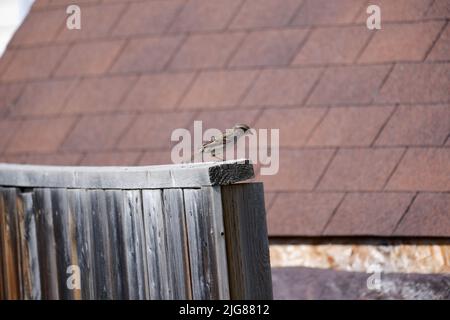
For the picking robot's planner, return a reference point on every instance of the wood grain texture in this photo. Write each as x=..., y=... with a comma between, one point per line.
x=134, y=239
x=207, y=253
x=10, y=245
x=247, y=242
x=102, y=256
x=114, y=209
x=2, y=274
x=63, y=241
x=46, y=244
x=156, y=244
x=31, y=281
x=80, y=213
x=177, y=252
x=189, y=175
x=171, y=243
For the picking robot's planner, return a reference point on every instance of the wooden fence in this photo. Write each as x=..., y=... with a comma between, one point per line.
x=159, y=232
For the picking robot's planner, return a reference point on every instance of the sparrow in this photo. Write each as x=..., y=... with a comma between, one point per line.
x=217, y=144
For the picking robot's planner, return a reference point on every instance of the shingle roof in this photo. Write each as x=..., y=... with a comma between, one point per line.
x=364, y=115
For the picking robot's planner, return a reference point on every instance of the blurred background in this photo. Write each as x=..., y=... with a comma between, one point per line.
x=12, y=13
x=360, y=208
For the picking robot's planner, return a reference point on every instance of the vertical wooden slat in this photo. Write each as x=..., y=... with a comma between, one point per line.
x=10, y=245
x=155, y=244
x=114, y=208
x=207, y=252
x=177, y=251
x=31, y=281
x=134, y=239
x=102, y=256
x=80, y=212
x=62, y=228
x=46, y=244
x=247, y=242
x=2, y=214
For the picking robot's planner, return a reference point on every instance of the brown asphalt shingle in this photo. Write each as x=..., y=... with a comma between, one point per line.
x=33, y=63
x=423, y=169
x=441, y=50
x=93, y=95
x=363, y=114
x=428, y=215
x=265, y=13
x=206, y=51
x=309, y=219
x=99, y=132
x=368, y=214
x=9, y=95
x=43, y=98
x=417, y=83
x=333, y=45
x=360, y=169
x=278, y=87
x=153, y=92
x=150, y=17
x=352, y=126
x=417, y=125
x=398, y=42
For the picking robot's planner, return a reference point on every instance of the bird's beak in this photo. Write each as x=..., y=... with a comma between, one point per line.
x=250, y=131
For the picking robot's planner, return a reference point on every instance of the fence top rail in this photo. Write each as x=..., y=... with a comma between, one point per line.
x=188, y=175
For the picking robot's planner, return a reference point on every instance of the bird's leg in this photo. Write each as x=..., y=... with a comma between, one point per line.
x=213, y=154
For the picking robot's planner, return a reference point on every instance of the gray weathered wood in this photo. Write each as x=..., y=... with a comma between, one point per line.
x=155, y=244
x=63, y=242
x=46, y=244
x=207, y=253
x=165, y=232
x=114, y=209
x=30, y=264
x=187, y=175
x=247, y=242
x=80, y=212
x=134, y=239
x=102, y=256
x=177, y=252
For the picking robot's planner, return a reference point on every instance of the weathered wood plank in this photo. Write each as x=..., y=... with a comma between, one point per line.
x=114, y=209
x=80, y=213
x=31, y=281
x=247, y=242
x=102, y=256
x=155, y=244
x=207, y=253
x=46, y=244
x=134, y=239
x=177, y=252
x=2, y=273
x=189, y=175
x=11, y=245
x=62, y=224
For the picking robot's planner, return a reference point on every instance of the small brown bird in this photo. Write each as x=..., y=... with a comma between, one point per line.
x=217, y=144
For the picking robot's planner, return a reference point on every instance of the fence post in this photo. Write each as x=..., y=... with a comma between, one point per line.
x=247, y=244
